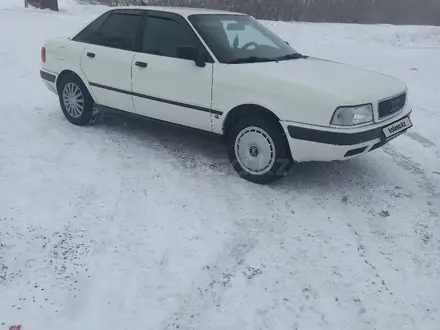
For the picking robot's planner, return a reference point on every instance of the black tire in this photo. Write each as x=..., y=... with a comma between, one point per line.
x=89, y=114
x=272, y=134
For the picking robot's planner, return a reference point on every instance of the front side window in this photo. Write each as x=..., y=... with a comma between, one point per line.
x=240, y=39
x=118, y=31
x=164, y=36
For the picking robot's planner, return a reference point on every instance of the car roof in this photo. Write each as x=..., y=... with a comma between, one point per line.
x=183, y=11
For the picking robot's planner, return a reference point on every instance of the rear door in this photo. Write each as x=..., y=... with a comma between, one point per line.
x=106, y=61
x=166, y=86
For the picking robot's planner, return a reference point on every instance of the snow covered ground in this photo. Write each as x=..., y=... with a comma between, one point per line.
x=131, y=225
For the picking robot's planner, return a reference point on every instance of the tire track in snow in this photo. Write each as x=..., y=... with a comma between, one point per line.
x=426, y=184
x=363, y=251
x=230, y=266
x=214, y=280
x=430, y=198
x=424, y=228
x=420, y=139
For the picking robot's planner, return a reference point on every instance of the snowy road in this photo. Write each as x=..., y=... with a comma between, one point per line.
x=132, y=225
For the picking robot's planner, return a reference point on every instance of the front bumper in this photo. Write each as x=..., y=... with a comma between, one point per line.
x=312, y=143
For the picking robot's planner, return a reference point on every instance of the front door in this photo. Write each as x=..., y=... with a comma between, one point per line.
x=165, y=86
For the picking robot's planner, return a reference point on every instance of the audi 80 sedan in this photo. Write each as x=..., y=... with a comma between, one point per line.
x=227, y=74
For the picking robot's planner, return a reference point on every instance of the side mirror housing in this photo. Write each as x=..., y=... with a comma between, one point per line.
x=192, y=54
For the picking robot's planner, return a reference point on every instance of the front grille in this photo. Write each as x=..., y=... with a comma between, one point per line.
x=392, y=105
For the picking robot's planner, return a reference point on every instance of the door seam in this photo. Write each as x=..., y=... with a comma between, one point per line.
x=212, y=96
x=131, y=82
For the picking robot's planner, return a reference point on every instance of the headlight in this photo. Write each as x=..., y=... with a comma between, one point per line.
x=349, y=116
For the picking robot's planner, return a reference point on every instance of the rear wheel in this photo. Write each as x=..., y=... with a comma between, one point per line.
x=76, y=101
x=258, y=150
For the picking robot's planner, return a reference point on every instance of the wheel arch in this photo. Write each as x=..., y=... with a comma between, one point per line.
x=66, y=72
x=244, y=110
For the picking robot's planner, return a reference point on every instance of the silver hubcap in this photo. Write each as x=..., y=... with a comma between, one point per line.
x=255, y=150
x=73, y=100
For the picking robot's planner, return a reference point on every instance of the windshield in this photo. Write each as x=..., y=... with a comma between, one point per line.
x=240, y=39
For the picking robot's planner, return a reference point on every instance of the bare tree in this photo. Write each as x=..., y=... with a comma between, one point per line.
x=350, y=11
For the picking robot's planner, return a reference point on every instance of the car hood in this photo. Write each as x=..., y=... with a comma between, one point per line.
x=349, y=84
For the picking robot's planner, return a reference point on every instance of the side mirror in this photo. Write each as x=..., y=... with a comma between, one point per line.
x=192, y=54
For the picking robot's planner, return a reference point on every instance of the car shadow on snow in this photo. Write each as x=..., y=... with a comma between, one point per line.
x=187, y=146
x=354, y=172
x=203, y=152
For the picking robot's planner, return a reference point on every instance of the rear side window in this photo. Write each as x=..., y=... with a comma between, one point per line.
x=88, y=33
x=162, y=36
x=118, y=31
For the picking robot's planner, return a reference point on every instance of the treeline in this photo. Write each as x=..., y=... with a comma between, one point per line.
x=423, y=12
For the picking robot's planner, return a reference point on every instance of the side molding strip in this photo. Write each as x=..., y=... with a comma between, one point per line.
x=157, y=99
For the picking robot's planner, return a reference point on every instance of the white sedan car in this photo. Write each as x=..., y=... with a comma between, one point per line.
x=227, y=74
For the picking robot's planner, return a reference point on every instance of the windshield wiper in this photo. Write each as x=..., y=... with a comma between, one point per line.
x=256, y=59
x=293, y=56
x=251, y=59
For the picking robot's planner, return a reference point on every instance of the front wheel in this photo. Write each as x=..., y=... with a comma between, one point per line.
x=258, y=150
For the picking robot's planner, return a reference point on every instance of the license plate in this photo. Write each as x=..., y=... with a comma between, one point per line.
x=397, y=127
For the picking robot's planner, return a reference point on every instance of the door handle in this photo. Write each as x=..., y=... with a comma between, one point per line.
x=141, y=64
x=91, y=55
